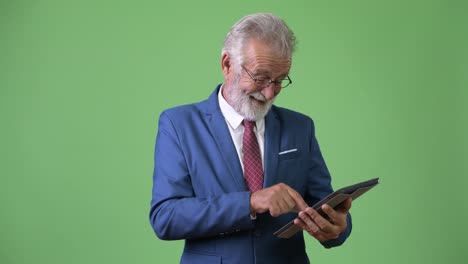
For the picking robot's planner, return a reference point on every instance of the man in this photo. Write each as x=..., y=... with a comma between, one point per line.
x=231, y=170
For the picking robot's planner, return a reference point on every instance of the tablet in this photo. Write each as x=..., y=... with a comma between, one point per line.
x=334, y=199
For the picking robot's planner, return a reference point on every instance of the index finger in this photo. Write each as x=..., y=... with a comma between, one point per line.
x=300, y=203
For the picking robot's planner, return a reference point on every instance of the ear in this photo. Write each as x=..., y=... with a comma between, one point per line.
x=226, y=65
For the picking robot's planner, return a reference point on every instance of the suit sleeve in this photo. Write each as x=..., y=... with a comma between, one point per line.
x=176, y=212
x=319, y=186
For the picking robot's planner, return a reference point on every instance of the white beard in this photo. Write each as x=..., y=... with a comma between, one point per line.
x=245, y=106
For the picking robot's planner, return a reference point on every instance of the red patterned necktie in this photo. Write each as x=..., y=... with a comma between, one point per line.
x=253, y=170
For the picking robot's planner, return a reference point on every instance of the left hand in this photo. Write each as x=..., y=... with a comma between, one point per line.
x=321, y=228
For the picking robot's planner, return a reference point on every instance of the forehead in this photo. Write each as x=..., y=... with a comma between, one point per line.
x=263, y=58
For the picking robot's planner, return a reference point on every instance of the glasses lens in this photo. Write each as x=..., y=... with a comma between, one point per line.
x=277, y=84
x=262, y=83
x=285, y=83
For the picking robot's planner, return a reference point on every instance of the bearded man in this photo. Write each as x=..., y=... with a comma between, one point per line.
x=231, y=170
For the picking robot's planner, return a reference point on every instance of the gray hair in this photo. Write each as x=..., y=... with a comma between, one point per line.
x=265, y=27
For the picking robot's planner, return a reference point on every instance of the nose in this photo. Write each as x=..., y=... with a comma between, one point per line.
x=270, y=91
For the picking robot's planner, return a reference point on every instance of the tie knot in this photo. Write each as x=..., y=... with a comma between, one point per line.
x=249, y=125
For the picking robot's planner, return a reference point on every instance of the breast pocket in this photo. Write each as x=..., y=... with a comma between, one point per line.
x=288, y=154
x=292, y=170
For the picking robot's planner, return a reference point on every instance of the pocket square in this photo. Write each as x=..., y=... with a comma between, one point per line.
x=287, y=151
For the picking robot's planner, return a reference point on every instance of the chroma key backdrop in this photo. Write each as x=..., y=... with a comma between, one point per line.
x=82, y=84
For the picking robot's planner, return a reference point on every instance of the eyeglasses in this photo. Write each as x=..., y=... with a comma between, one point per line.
x=265, y=82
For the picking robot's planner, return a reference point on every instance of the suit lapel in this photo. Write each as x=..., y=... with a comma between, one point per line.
x=272, y=142
x=227, y=149
x=222, y=137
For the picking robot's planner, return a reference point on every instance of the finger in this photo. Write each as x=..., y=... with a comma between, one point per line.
x=310, y=228
x=300, y=224
x=316, y=233
x=283, y=206
x=276, y=208
x=321, y=222
x=337, y=219
x=290, y=203
x=345, y=206
x=332, y=214
x=300, y=204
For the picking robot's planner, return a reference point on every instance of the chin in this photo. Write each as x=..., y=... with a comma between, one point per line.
x=253, y=111
x=245, y=104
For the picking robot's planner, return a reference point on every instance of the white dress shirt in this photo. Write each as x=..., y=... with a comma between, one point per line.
x=234, y=123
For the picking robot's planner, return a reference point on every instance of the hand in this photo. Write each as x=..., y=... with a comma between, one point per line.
x=321, y=228
x=277, y=199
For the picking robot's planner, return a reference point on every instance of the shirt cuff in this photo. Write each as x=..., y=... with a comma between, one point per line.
x=253, y=216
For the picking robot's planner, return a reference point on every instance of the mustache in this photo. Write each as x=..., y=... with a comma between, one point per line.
x=258, y=96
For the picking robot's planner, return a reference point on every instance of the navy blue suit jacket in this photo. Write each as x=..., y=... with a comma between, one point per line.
x=200, y=195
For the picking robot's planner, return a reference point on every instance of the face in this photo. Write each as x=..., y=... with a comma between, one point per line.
x=240, y=90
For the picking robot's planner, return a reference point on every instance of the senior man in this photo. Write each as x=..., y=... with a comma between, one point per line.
x=231, y=170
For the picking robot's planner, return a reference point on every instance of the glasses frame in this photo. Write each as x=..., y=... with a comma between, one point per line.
x=276, y=84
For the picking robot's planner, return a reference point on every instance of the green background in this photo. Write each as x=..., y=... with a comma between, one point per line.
x=82, y=84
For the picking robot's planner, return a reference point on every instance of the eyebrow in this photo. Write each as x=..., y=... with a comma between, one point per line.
x=261, y=71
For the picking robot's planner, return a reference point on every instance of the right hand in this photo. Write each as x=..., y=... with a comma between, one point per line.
x=277, y=199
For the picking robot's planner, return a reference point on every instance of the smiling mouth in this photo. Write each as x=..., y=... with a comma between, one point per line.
x=257, y=100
